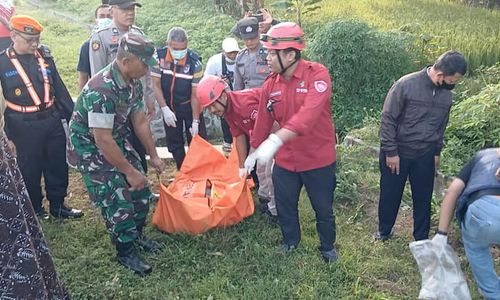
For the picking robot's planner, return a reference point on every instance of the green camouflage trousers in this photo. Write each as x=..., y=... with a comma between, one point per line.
x=123, y=211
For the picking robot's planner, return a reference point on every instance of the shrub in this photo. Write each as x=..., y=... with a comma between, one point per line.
x=363, y=64
x=473, y=126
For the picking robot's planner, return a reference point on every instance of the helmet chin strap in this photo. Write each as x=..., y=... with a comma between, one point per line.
x=283, y=68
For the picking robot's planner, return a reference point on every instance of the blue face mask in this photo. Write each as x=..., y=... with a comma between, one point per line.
x=102, y=23
x=178, y=54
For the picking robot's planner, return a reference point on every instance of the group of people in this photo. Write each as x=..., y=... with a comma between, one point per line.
x=273, y=104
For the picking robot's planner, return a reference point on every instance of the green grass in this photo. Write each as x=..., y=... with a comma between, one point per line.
x=474, y=31
x=240, y=262
x=243, y=261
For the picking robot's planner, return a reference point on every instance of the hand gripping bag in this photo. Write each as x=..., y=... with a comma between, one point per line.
x=206, y=193
x=439, y=267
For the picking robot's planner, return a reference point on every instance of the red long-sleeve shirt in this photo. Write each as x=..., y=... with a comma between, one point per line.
x=301, y=105
x=242, y=111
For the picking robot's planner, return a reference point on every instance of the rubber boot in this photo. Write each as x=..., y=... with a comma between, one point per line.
x=127, y=256
x=147, y=244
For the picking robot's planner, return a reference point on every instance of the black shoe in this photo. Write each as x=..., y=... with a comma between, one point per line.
x=127, y=256
x=382, y=237
x=149, y=245
x=42, y=214
x=330, y=256
x=64, y=212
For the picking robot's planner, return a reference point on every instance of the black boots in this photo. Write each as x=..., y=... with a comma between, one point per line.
x=127, y=256
x=148, y=245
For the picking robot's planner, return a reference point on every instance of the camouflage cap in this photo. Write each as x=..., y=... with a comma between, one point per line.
x=124, y=3
x=139, y=46
x=248, y=28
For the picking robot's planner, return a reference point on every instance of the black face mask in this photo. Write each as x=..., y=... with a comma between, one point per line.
x=446, y=86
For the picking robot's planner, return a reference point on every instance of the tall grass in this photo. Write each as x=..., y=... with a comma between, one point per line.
x=474, y=31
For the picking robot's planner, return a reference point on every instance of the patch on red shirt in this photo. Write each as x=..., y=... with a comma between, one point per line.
x=253, y=115
x=320, y=86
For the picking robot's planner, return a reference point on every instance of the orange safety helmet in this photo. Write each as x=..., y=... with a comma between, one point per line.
x=283, y=36
x=209, y=89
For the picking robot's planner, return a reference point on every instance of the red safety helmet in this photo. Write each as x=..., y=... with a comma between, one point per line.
x=209, y=89
x=283, y=36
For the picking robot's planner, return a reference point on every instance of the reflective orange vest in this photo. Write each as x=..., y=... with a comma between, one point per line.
x=47, y=102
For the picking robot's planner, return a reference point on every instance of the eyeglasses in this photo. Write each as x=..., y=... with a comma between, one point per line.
x=275, y=41
x=33, y=40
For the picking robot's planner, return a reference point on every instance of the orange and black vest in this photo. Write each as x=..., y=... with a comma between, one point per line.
x=176, y=79
x=27, y=81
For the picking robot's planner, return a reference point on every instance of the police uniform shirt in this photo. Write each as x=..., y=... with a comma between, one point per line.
x=103, y=48
x=104, y=44
x=251, y=68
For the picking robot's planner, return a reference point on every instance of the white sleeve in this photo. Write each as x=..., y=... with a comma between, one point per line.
x=213, y=66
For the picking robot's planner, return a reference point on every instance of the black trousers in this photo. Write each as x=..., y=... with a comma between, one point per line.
x=226, y=133
x=320, y=186
x=175, y=135
x=420, y=172
x=40, y=141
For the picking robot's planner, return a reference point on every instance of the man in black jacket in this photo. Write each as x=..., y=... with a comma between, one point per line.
x=414, y=118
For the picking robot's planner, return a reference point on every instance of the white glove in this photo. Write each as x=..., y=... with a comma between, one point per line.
x=169, y=116
x=250, y=162
x=242, y=172
x=194, y=127
x=266, y=151
x=440, y=240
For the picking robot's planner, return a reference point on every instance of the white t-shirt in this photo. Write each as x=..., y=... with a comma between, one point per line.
x=214, y=66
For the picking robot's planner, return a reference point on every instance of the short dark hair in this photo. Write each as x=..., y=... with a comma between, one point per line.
x=298, y=54
x=451, y=62
x=99, y=7
x=105, y=1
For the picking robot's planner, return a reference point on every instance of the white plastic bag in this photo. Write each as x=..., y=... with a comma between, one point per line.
x=439, y=267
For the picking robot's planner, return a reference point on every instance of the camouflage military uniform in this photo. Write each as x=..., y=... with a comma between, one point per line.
x=106, y=102
x=251, y=69
x=102, y=51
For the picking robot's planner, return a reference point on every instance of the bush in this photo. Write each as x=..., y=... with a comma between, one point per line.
x=363, y=64
x=473, y=126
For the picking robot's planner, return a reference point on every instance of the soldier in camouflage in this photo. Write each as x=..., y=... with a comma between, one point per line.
x=103, y=47
x=99, y=148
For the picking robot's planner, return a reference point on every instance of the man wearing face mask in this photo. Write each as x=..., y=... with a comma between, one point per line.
x=103, y=20
x=222, y=65
x=175, y=82
x=414, y=119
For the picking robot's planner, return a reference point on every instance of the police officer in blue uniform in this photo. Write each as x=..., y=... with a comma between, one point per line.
x=38, y=108
x=174, y=84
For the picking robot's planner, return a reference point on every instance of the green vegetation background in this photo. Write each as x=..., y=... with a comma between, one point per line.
x=242, y=262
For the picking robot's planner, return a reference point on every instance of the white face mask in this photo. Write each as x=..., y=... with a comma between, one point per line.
x=178, y=54
x=102, y=23
x=230, y=61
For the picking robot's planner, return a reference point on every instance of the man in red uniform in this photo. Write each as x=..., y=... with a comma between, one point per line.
x=239, y=109
x=297, y=96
